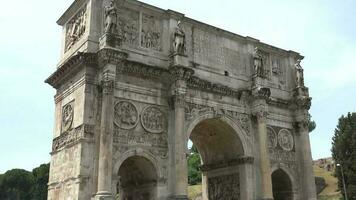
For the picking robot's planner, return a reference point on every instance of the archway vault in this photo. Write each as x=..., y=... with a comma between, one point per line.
x=223, y=147
x=229, y=124
x=283, y=184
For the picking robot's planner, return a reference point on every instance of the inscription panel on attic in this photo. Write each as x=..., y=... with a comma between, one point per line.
x=213, y=50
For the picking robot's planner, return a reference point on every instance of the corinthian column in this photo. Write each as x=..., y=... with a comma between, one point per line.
x=179, y=87
x=265, y=168
x=304, y=152
x=106, y=135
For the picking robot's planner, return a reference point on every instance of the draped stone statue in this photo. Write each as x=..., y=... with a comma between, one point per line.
x=110, y=17
x=179, y=40
x=258, y=63
x=299, y=76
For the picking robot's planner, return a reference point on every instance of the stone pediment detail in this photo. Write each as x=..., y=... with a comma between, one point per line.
x=72, y=136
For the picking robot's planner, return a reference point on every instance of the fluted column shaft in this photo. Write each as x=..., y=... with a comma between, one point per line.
x=179, y=87
x=106, y=136
x=265, y=167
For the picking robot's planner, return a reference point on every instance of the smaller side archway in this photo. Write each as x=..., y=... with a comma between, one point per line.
x=282, y=185
x=137, y=179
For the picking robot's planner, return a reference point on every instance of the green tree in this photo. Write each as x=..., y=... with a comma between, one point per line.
x=41, y=175
x=194, y=173
x=16, y=184
x=344, y=152
x=312, y=125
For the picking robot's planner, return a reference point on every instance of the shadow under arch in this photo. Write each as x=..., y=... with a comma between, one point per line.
x=226, y=156
x=137, y=176
x=241, y=134
x=283, y=183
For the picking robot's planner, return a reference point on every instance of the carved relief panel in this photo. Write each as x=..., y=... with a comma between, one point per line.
x=126, y=115
x=224, y=187
x=151, y=33
x=128, y=26
x=67, y=117
x=281, y=147
x=150, y=134
x=75, y=28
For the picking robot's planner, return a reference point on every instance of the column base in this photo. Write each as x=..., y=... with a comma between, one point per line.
x=103, y=195
x=178, y=197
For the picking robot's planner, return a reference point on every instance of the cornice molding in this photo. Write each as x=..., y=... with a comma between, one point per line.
x=73, y=64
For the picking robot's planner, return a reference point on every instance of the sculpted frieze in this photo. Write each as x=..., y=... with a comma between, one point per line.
x=126, y=115
x=72, y=136
x=75, y=28
x=139, y=70
x=153, y=120
x=151, y=32
x=204, y=85
x=131, y=137
x=67, y=116
x=224, y=187
x=287, y=158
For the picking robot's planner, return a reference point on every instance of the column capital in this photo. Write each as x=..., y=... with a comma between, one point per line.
x=259, y=110
x=180, y=72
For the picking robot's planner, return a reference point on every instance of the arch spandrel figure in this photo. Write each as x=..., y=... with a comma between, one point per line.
x=111, y=17
x=179, y=40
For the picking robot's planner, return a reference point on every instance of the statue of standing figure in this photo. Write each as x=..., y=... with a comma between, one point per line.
x=299, y=76
x=179, y=40
x=110, y=17
x=258, y=63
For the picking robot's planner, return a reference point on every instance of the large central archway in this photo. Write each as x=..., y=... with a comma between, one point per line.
x=221, y=150
x=137, y=179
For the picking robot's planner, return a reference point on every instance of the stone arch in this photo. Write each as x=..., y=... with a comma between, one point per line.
x=224, y=147
x=283, y=183
x=138, y=152
x=241, y=134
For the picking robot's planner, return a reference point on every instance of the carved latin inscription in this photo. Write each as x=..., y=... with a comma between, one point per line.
x=126, y=115
x=224, y=187
x=153, y=119
x=75, y=28
x=285, y=140
x=67, y=117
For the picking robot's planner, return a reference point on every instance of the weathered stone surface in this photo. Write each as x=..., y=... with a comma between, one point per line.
x=135, y=83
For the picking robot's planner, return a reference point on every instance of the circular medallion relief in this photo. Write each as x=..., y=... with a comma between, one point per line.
x=126, y=115
x=285, y=140
x=272, y=137
x=67, y=117
x=153, y=120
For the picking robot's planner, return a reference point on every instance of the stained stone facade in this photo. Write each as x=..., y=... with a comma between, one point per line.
x=135, y=82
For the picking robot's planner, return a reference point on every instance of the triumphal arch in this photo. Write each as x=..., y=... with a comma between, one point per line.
x=135, y=83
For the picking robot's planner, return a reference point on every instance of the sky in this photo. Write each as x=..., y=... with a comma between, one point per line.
x=324, y=31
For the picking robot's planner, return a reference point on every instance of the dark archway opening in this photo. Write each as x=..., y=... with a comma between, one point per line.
x=137, y=179
x=282, y=185
x=219, y=148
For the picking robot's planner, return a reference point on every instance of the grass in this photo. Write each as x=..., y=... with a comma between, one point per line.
x=194, y=191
